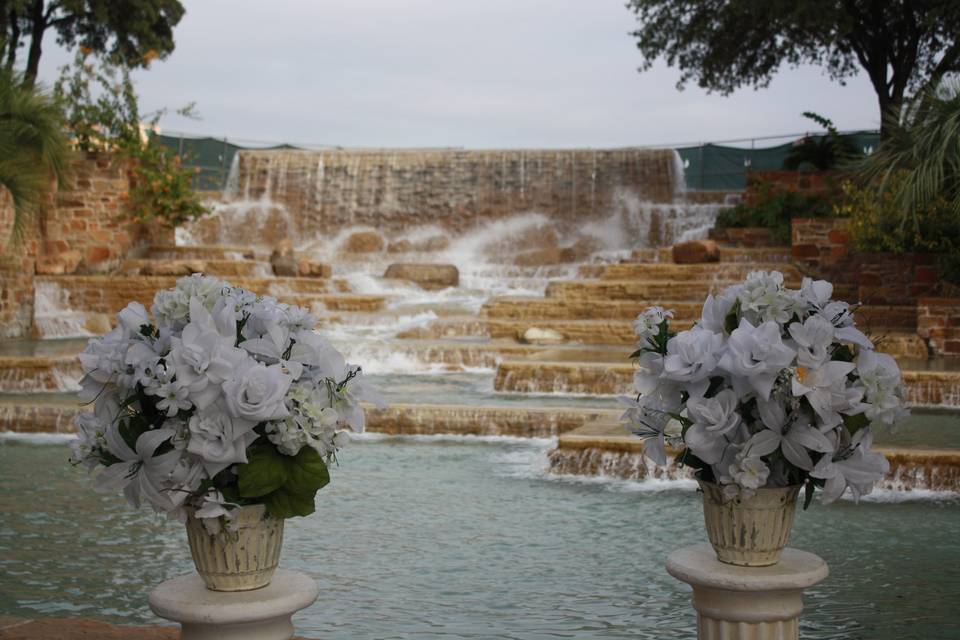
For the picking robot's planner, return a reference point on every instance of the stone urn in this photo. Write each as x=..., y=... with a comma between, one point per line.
x=239, y=558
x=749, y=532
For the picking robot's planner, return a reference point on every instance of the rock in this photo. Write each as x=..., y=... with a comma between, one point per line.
x=535, y=335
x=310, y=269
x=173, y=267
x=98, y=323
x=62, y=263
x=364, y=242
x=428, y=276
x=539, y=257
x=696, y=252
x=283, y=260
x=433, y=243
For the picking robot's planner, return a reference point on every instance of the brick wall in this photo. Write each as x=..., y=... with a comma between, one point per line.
x=87, y=230
x=821, y=247
x=938, y=321
x=83, y=228
x=806, y=182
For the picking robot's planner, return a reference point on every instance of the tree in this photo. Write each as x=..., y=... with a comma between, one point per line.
x=129, y=32
x=34, y=150
x=903, y=45
x=919, y=162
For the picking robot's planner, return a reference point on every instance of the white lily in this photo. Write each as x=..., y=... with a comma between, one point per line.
x=827, y=392
x=856, y=468
x=139, y=473
x=814, y=337
x=793, y=437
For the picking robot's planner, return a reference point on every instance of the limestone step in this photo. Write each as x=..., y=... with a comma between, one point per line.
x=520, y=308
x=662, y=271
x=201, y=252
x=727, y=254
x=646, y=292
x=54, y=413
x=187, y=266
x=924, y=388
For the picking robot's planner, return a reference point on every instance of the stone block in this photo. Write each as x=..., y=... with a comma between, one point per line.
x=428, y=276
x=311, y=269
x=364, y=242
x=696, y=252
x=62, y=263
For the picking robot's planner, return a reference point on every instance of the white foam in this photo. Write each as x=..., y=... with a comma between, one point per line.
x=536, y=443
x=36, y=438
x=895, y=496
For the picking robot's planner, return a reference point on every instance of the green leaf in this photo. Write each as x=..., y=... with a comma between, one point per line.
x=283, y=503
x=265, y=471
x=855, y=422
x=732, y=321
x=637, y=353
x=307, y=473
x=808, y=490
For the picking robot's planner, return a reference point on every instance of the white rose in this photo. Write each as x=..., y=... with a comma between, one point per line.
x=755, y=356
x=219, y=438
x=749, y=472
x=692, y=356
x=256, y=392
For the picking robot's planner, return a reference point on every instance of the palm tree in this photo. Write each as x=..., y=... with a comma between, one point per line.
x=919, y=162
x=34, y=147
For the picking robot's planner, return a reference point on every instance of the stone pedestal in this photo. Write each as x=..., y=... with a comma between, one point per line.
x=261, y=614
x=746, y=603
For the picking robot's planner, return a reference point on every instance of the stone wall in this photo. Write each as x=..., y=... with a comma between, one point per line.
x=87, y=229
x=805, y=182
x=83, y=228
x=821, y=246
x=938, y=321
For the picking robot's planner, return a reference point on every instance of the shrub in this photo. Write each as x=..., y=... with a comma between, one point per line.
x=877, y=223
x=774, y=208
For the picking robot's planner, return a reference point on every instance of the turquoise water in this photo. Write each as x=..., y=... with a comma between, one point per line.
x=447, y=538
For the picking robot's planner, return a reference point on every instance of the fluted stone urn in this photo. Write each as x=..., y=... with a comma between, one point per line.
x=749, y=532
x=239, y=558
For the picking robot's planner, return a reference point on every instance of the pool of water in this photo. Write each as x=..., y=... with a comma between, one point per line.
x=450, y=538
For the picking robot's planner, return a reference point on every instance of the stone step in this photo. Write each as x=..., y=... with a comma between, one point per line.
x=663, y=271
x=54, y=413
x=523, y=308
x=574, y=331
x=187, y=266
x=201, y=252
x=645, y=292
x=756, y=255
x=924, y=388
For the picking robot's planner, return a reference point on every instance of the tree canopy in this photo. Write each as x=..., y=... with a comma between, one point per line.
x=129, y=32
x=904, y=46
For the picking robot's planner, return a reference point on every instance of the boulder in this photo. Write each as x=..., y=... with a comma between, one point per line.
x=173, y=267
x=696, y=252
x=364, y=242
x=535, y=335
x=433, y=243
x=283, y=259
x=63, y=263
x=311, y=269
x=428, y=276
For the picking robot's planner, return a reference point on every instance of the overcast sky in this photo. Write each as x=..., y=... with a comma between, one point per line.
x=471, y=73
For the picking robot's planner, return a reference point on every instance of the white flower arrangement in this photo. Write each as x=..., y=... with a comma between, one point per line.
x=772, y=387
x=225, y=399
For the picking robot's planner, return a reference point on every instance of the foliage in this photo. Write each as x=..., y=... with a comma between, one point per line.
x=103, y=112
x=34, y=150
x=774, y=208
x=876, y=224
x=918, y=165
x=727, y=44
x=823, y=152
x=131, y=33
